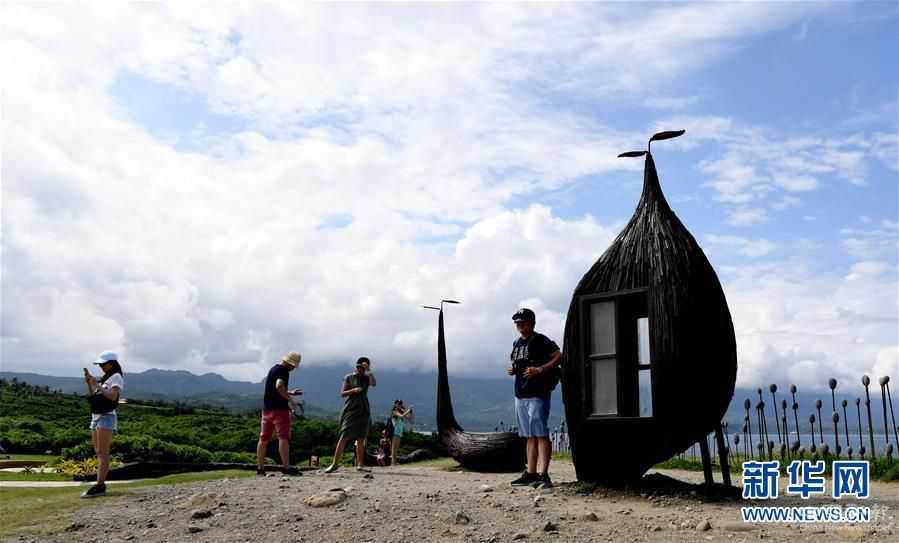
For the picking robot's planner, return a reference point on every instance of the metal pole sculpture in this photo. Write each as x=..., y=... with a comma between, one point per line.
x=818, y=405
x=769, y=445
x=773, y=389
x=796, y=416
x=867, y=381
x=858, y=413
x=813, y=449
x=846, y=428
x=836, y=433
x=478, y=451
x=892, y=413
x=883, y=400
x=832, y=383
x=783, y=420
x=654, y=269
x=748, y=425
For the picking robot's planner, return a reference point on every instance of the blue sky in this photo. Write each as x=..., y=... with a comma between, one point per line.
x=355, y=161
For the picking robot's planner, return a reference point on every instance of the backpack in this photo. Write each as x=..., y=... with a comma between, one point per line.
x=389, y=427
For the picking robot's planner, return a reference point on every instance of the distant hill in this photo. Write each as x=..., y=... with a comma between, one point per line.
x=480, y=404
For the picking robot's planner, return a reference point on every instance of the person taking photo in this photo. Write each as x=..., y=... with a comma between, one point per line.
x=277, y=407
x=103, y=395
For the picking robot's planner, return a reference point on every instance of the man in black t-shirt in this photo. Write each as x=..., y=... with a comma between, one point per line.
x=277, y=405
x=535, y=359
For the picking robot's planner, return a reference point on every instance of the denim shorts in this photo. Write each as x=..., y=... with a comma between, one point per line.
x=107, y=421
x=533, y=417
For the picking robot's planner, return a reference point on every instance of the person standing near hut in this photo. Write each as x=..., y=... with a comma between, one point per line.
x=355, y=417
x=535, y=360
x=276, y=412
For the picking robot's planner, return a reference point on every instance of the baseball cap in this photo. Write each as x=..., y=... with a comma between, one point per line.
x=106, y=356
x=524, y=315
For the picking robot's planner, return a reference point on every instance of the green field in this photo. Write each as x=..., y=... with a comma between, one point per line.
x=37, y=511
x=49, y=458
x=34, y=420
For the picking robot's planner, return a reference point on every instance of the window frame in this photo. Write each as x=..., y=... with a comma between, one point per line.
x=587, y=357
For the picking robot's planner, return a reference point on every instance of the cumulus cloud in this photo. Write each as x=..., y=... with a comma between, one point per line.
x=795, y=326
x=761, y=170
x=383, y=157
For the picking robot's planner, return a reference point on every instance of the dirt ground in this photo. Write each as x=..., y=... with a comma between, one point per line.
x=429, y=503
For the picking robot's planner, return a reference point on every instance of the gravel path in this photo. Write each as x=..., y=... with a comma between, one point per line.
x=414, y=504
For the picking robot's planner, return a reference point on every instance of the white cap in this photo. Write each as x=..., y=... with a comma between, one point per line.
x=106, y=356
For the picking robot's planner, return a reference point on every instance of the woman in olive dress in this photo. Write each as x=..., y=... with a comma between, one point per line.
x=355, y=417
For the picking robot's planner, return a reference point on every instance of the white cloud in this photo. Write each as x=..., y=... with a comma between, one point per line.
x=747, y=216
x=876, y=243
x=403, y=126
x=752, y=248
x=797, y=183
x=796, y=326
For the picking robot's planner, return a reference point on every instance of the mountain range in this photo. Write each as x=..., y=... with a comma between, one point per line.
x=480, y=404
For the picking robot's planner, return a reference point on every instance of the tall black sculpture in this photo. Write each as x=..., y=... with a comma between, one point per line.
x=479, y=451
x=650, y=355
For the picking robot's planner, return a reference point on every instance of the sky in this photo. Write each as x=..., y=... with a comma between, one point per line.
x=206, y=187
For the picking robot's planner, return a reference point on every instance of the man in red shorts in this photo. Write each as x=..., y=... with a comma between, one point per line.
x=276, y=412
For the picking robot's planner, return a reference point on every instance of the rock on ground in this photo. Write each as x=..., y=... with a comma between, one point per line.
x=415, y=504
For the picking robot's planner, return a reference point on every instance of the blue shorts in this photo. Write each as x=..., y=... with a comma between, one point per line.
x=107, y=421
x=533, y=417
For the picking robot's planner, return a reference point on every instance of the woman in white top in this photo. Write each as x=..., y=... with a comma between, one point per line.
x=103, y=396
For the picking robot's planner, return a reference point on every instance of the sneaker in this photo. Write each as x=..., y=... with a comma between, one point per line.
x=291, y=471
x=543, y=481
x=95, y=491
x=525, y=479
x=260, y=472
x=362, y=469
x=331, y=469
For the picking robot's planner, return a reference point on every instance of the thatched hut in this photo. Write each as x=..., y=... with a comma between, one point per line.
x=650, y=356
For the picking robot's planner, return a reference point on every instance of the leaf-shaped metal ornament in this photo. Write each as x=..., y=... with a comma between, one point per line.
x=631, y=154
x=653, y=269
x=667, y=135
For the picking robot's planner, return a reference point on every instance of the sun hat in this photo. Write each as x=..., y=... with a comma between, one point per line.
x=105, y=357
x=292, y=358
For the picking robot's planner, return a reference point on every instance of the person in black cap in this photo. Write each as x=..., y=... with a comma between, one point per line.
x=535, y=365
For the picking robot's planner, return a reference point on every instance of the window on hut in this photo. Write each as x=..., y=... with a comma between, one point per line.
x=619, y=367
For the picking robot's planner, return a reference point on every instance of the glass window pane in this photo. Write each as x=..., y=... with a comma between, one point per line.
x=645, y=392
x=602, y=328
x=643, y=341
x=605, y=387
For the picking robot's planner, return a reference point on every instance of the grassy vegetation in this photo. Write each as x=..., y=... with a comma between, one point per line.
x=48, y=458
x=881, y=470
x=35, y=511
x=34, y=420
x=36, y=476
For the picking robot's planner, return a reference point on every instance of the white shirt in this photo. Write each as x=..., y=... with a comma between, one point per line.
x=115, y=381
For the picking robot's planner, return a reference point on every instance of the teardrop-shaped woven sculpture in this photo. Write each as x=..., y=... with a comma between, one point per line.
x=691, y=338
